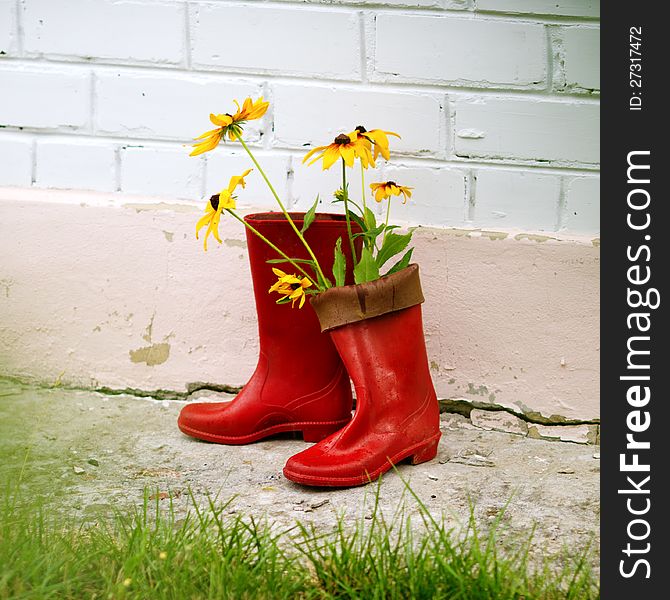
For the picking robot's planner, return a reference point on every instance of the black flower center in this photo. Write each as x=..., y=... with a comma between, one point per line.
x=214, y=201
x=391, y=183
x=295, y=286
x=343, y=138
x=361, y=129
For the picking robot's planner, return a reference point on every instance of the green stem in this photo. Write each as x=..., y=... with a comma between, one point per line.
x=269, y=243
x=386, y=223
x=283, y=208
x=363, y=187
x=346, y=211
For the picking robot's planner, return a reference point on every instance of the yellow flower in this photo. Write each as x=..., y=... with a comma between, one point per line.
x=230, y=124
x=290, y=286
x=377, y=137
x=216, y=204
x=346, y=146
x=386, y=189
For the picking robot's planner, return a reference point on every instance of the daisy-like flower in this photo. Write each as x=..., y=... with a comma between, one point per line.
x=346, y=146
x=215, y=206
x=290, y=286
x=230, y=124
x=378, y=137
x=386, y=189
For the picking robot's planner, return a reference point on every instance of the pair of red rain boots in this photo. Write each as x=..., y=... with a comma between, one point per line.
x=302, y=382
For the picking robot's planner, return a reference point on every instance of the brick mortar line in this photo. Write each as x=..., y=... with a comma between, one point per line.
x=382, y=8
x=399, y=160
x=313, y=80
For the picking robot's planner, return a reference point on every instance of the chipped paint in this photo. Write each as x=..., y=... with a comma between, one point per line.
x=153, y=355
x=471, y=134
x=7, y=284
x=482, y=390
x=540, y=239
x=147, y=332
x=162, y=206
x=231, y=243
x=169, y=235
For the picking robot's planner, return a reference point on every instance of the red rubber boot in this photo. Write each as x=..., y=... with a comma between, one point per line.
x=300, y=383
x=378, y=331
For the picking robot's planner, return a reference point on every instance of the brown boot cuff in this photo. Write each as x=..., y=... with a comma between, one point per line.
x=351, y=303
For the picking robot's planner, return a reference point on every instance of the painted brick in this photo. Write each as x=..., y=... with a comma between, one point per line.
x=133, y=104
x=438, y=197
x=308, y=181
x=530, y=130
x=564, y=8
x=307, y=115
x=222, y=165
x=582, y=205
x=7, y=26
x=476, y=53
x=16, y=163
x=75, y=164
x=258, y=38
x=511, y=200
x=580, y=57
x=161, y=172
x=141, y=31
x=65, y=105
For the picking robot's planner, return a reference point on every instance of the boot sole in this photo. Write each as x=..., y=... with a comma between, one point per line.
x=419, y=453
x=311, y=432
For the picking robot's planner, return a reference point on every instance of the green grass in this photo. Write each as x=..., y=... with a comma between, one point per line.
x=210, y=553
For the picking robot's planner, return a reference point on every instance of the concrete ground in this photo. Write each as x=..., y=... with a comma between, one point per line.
x=86, y=452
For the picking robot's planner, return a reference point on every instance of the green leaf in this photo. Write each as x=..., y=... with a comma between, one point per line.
x=277, y=261
x=402, y=263
x=354, y=217
x=284, y=300
x=370, y=220
x=367, y=269
x=393, y=244
x=340, y=264
x=309, y=216
x=371, y=233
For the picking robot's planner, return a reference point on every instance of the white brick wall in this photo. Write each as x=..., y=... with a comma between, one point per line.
x=7, y=26
x=465, y=51
x=103, y=29
x=85, y=164
x=529, y=130
x=511, y=199
x=578, y=58
x=581, y=211
x=44, y=96
x=277, y=40
x=17, y=163
x=497, y=101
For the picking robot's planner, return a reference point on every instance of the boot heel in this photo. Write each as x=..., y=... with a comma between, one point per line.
x=425, y=453
x=315, y=433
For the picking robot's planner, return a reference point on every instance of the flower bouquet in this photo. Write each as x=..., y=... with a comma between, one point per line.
x=363, y=322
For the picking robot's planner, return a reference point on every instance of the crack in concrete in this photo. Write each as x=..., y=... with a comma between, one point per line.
x=461, y=407
x=465, y=407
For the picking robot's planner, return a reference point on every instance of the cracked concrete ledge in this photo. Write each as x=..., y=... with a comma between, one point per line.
x=487, y=416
